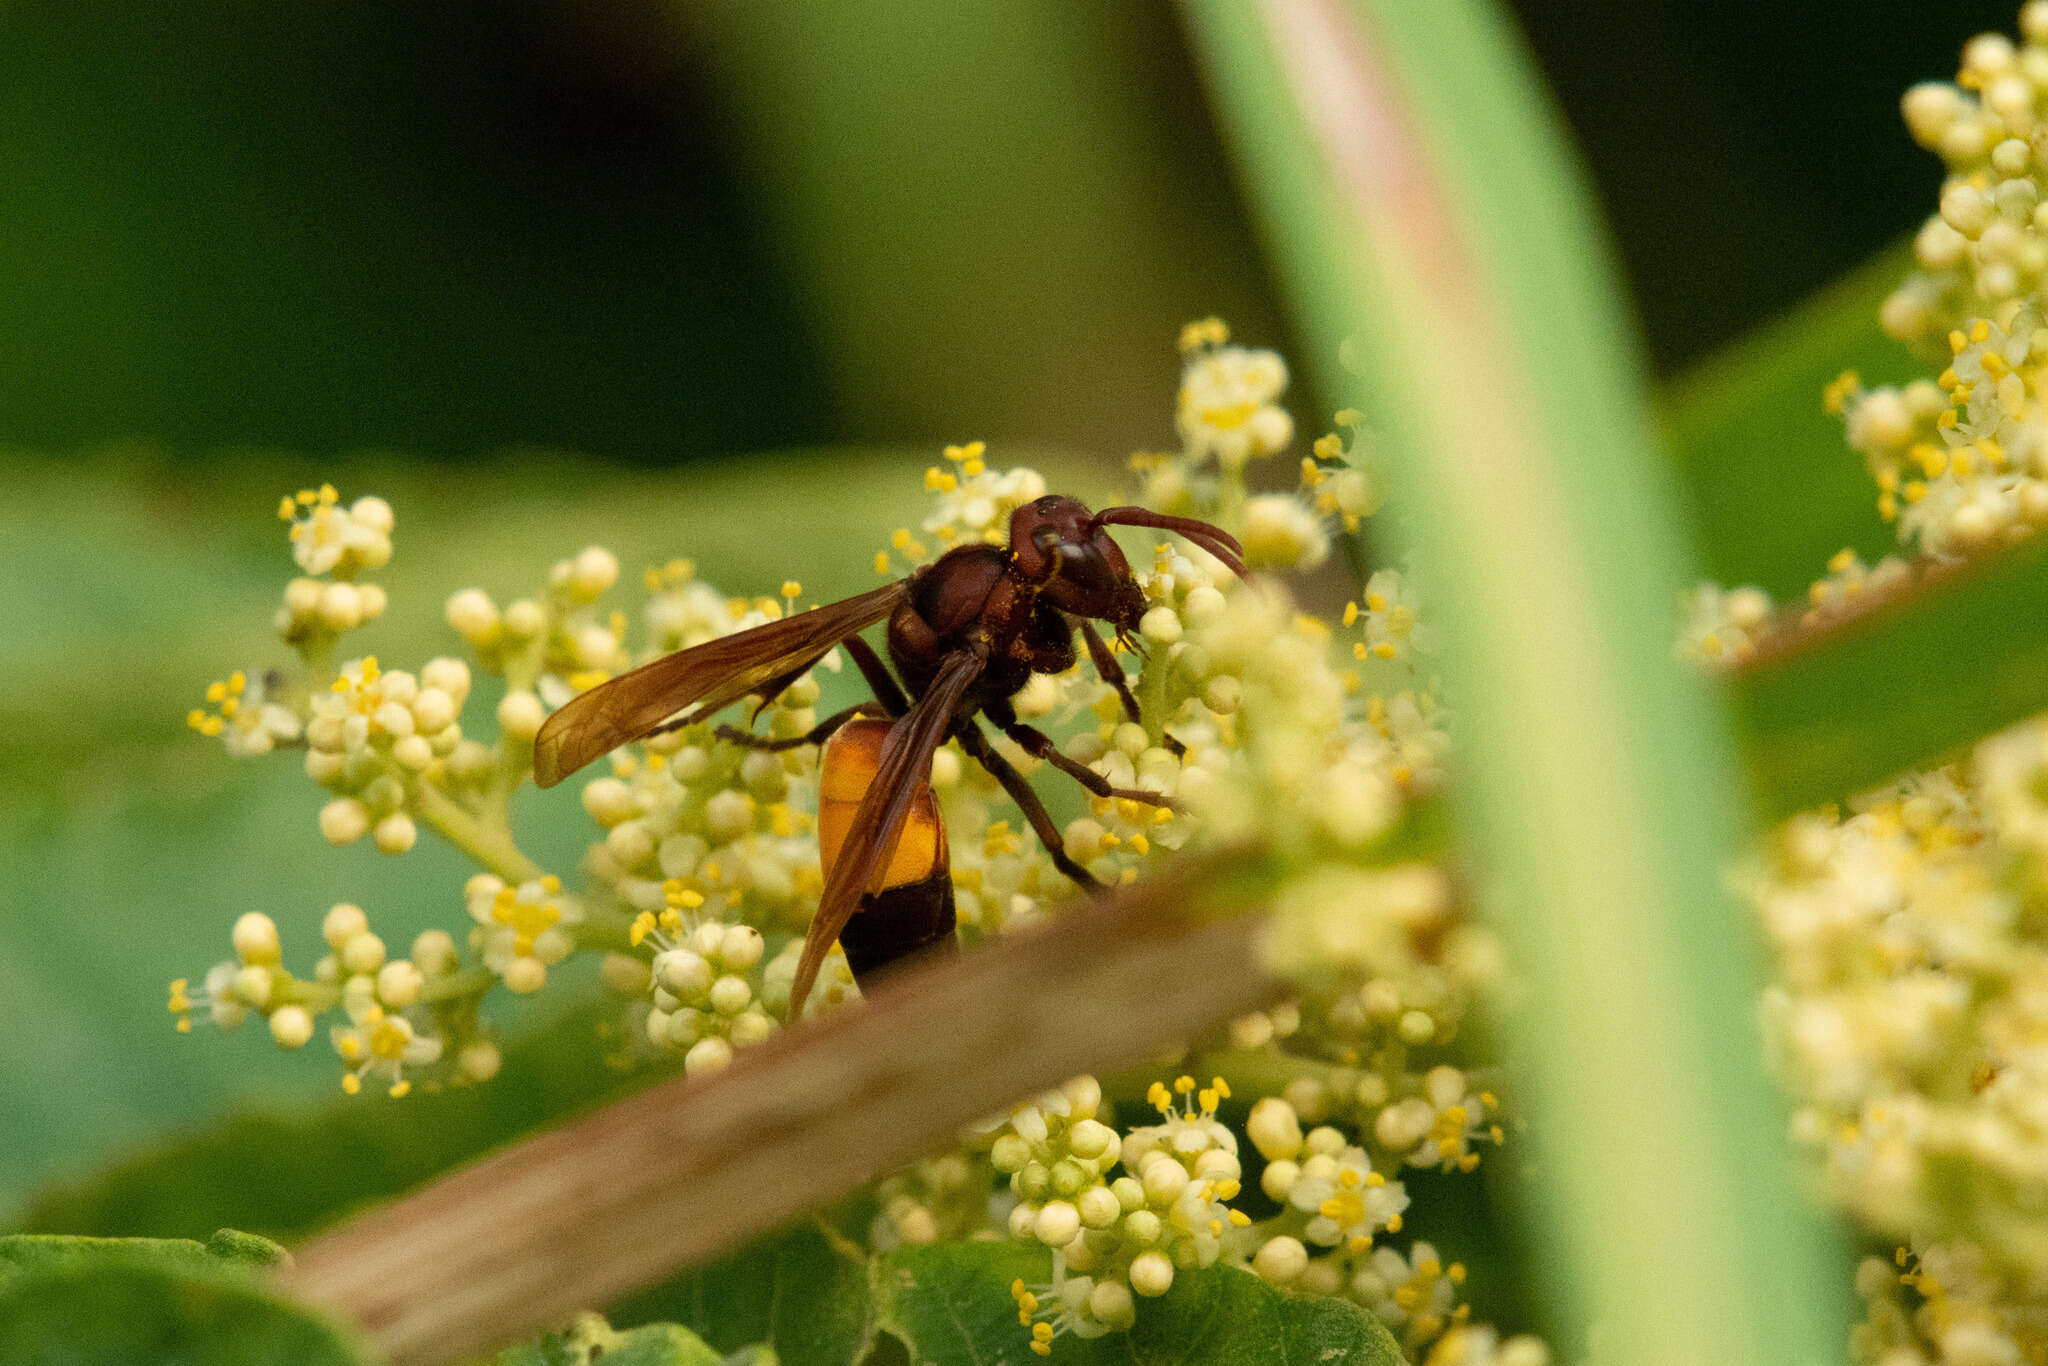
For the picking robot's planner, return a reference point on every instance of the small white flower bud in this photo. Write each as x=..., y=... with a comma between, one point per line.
x=302, y=597
x=344, y=821
x=343, y=923
x=707, y=1056
x=341, y=607
x=1151, y=1274
x=1090, y=1139
x=373, y=514
x=432, y=711
x=450, y=676
x=525, y=619
x=398, y=984
x=630, y=842
x=1057, y=1224
x=1164, y=1179
x=1023, y=1220
x=595, y=646
x=657, y=1027
x=413, y=752
x=255, y=939
x=1280, y=1260
x=362, y=952
x=520, y=715
x=683, y=972
x=730, y=994
x=741, y=946
x=1417, y=1027
x=479, y=1060
x=609, y=801
x=433, y=953
x=1277, y=1181
x=396, y=834
x=592, y=572
x=1009, y=1153
x=728, y=815
x=750, y=1027
x=1098, y=1207
x=1965, y=208
x=291, y=1026
x=373, y=600
x=1161, y=625
x=523, y=976
x=1274, y=1129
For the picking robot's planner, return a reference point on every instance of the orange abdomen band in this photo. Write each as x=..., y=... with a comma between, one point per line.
x=851, y=757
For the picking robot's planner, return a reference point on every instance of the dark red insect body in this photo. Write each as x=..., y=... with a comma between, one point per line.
x=965, y=633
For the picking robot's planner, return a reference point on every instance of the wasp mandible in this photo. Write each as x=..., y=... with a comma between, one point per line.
x=965, y=632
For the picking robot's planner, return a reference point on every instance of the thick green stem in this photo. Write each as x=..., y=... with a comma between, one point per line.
x=488, y=843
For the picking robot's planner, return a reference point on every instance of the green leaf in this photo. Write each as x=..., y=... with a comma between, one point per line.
x=1903, y=688
x=1428, y=217
x=591, y=1339
x=128, y=846
x=86, y=1301
x=1774, y=488
x=802, y=1292
x=951, y=1303
x=286, y=1173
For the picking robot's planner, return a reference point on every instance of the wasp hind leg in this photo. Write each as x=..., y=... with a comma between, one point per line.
x=816, y=735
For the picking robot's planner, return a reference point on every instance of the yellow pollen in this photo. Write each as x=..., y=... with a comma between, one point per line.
x=1980, y=331
x=351, y=1083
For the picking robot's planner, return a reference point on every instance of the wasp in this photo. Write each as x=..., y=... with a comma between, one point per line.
x=965, y=632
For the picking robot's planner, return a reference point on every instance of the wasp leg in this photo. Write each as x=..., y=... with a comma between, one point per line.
x=816, y=735
x=1039, y=745
x=1113, y=674
x=976, y=744
x=871, y=667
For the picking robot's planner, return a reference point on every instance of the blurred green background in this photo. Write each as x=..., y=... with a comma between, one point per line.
x=422, y=250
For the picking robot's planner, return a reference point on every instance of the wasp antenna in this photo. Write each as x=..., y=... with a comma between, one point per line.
x=1213, y=539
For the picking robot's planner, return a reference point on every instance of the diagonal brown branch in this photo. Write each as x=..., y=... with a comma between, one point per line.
x=579, y=1216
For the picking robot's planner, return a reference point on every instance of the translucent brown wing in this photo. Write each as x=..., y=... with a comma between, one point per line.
x=707, y=677
x=877, y=826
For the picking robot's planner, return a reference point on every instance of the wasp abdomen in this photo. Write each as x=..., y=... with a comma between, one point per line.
x=910, y=905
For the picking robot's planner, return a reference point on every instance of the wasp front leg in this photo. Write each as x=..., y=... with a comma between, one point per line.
x=1113, y=674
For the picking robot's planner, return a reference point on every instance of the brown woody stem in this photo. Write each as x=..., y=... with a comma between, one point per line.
x=581, y=1215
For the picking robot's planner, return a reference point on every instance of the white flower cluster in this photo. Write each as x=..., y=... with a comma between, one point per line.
x=1228, y=404
x=372, y=738
x=390, y=1032
x=1962, y=460
x=1907, y=1015
x=1112, y=1239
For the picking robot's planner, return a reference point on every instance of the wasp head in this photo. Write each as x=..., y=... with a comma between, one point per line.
x=1059, y=545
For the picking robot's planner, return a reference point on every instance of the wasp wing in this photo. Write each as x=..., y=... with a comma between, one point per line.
x=708, y=677
x=877, y=826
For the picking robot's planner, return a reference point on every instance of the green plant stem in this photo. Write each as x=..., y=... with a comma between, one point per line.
x=488, y=843
x=1425, y=214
